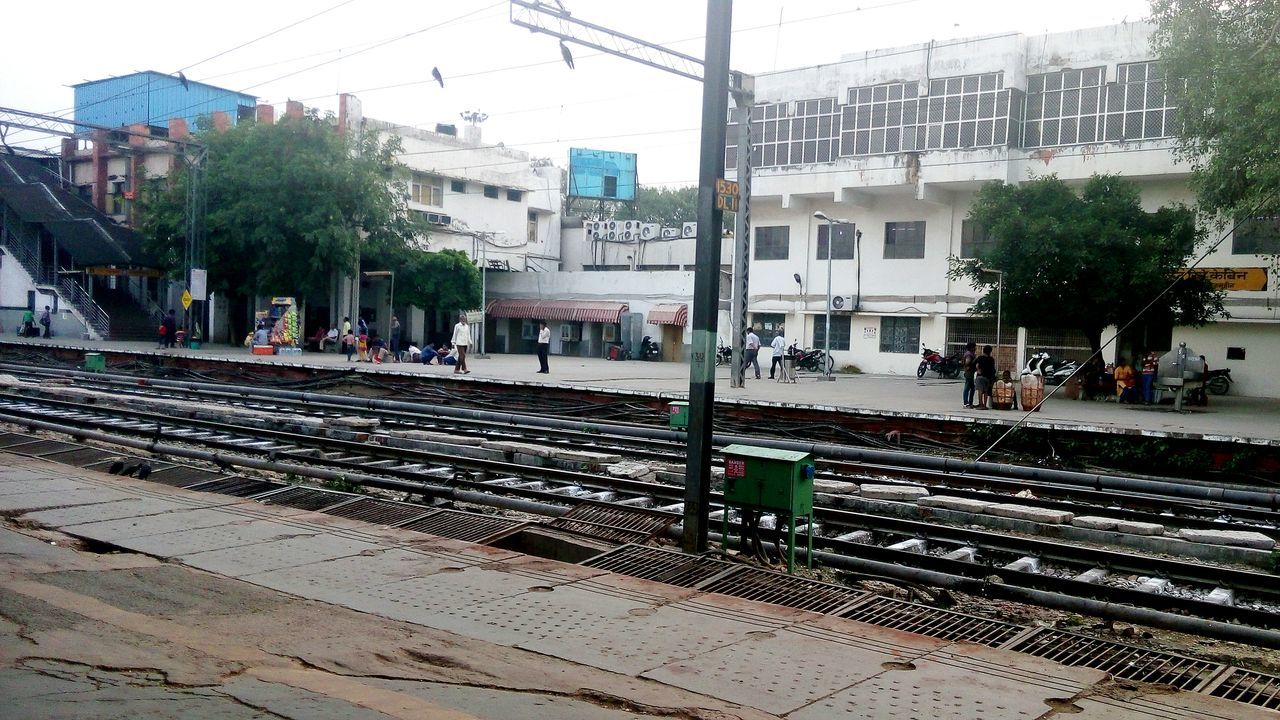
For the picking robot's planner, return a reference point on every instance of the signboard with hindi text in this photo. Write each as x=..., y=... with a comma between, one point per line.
x=1238, y=278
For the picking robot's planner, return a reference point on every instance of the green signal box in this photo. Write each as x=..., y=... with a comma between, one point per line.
x=95, y=362
x=770, y=480
x=678, y=418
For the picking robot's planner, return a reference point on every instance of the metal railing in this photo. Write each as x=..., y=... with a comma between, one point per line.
x=95, y=316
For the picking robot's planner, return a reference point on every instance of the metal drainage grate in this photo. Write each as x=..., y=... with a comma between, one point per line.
x=12, y=439
x=40, y=448
x=933, y=622
x=613, y=523
x=1250, y=687
x=381, y=512
x=303, y=498
x=781, y=589
x=1123, y=661
x=659, y=565
x=182, y=475
x=237, y=486
x=468, y=527
x=83, y=456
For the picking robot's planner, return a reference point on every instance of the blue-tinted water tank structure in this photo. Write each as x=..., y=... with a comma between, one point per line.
x=154, y=98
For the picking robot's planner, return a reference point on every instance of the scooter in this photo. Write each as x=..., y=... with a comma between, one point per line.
x=724, y=354
x=1055, y=371
x=650, y=350
x=948, y=367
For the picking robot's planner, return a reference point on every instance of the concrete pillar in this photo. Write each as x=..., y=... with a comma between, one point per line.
x=1020, y=352
x=265, y=114
x=100, y=169
x=293, y=109
x=178, y=129
x=221, y=121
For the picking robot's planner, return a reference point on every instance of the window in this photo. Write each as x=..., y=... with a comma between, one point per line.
x=427, y=190
x=1077, y=107
x=903, y=240
x=515, y=195
x=844, y=246
x=609, y=188
x=532, y=227
x=1257, y=236
x=529, y=330
x=458, y=186
x=491, y=192
x=974, y=240
x=898, y=335
x=773, y=243
x=789, y=133
x=840, y=325
x=767, y=326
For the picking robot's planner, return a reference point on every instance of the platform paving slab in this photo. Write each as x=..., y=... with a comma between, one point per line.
x=1134, y=527
x=959, y=504
x=1093, y=522
x=903, y=493
x=1029, y=513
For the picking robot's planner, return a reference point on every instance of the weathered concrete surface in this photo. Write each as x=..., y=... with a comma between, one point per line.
x=1134, y=527
x=905, y=493
x=1242, y=538
x=1033, y=514
x=958, y=504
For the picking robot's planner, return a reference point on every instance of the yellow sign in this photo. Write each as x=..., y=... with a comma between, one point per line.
x=726, y=195
x=186, y=299
x=1238, y=278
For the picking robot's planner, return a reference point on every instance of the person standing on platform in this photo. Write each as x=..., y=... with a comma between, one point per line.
x=1124, y=381
x=1149, y=365
x=395, y=339
x=28, y=323
x=46, y=321
x=544, y=346
x=984, y=376
x=970, y=355
x=778, y=346
x=170, y=330
x=461, y=341
x=751, y=349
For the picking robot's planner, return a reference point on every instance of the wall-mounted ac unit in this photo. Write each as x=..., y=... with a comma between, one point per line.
x=689, y=229
x=649, y=231
x=438, y=219
x=841, y=302
x=670, y=233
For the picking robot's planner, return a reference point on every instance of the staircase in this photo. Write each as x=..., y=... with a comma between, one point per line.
x=129, y=320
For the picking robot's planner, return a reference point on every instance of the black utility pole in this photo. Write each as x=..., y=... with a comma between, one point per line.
x=706, y=279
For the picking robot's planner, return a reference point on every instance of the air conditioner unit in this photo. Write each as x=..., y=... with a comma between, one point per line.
x=446, y=220
x=670, y=233
x=613, y=225
x=630, y=225
x=590, y=229
x=649, y=231
x=613, y=235
x=689, y=229
x=627, y=236
x=841, y=302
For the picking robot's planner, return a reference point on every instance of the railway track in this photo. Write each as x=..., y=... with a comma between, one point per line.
x=996, y=561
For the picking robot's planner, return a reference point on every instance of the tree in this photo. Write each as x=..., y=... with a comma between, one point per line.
x=289, y=204
x=669, y=206
x=1223, y=61
x=1085, y=261
x=446, y=280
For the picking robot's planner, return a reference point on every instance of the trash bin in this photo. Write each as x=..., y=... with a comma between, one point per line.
x=1032, y=392
x=1002, y=394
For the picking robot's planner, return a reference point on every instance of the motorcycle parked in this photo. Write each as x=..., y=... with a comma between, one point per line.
x=650, y=350
x=1218, y=381
x=1055, y=370
x=724, y=354
x=812, y=360
x=948, y=367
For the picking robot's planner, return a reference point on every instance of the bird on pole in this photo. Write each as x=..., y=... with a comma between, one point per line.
x=435, y=73
x=564, y=53
x=186, y=84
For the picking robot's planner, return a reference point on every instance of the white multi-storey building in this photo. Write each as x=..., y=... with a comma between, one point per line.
x=897, y=141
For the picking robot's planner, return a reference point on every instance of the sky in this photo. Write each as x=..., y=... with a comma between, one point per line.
x=383, y=51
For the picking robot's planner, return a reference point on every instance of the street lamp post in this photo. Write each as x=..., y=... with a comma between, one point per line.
x=826, y=336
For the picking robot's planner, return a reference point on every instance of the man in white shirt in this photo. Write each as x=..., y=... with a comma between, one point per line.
x=544, y=346
x=752, y=348
x=779, y=346
x=461, y=341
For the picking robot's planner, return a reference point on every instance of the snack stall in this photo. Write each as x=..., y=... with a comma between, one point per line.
x=282, y=324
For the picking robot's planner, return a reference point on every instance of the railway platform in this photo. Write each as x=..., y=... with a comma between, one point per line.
x=130, y=598
x=1232, y=417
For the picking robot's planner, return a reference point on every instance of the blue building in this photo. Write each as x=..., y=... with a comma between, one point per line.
x=154, y=98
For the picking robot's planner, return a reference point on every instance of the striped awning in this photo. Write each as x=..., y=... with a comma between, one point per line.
x=570, y=310
x=674, y=314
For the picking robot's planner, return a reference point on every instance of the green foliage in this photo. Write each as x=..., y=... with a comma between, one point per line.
x=1085, y=261
x=445, y=280
x=289, y=203
x=342, y=484
x=1223, y=58
x=669, y=206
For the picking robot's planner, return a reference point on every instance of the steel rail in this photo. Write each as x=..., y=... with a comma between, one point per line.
x=994, y=542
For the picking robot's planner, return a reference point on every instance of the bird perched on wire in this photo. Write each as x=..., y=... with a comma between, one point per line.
x=186, y=84
x=564, y=53
x=435, y=73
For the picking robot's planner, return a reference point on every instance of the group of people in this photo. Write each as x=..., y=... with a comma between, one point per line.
x=361, y=344
x=751, y=352
x=979, y=376
x=167, y=330
x=28, y=327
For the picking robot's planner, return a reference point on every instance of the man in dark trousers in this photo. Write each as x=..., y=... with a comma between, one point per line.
x=544, y=346
x=46, y=320
x=985, y=376
x=170, y=330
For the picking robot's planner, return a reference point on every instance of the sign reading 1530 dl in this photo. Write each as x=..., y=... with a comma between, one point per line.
x=726, y=195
